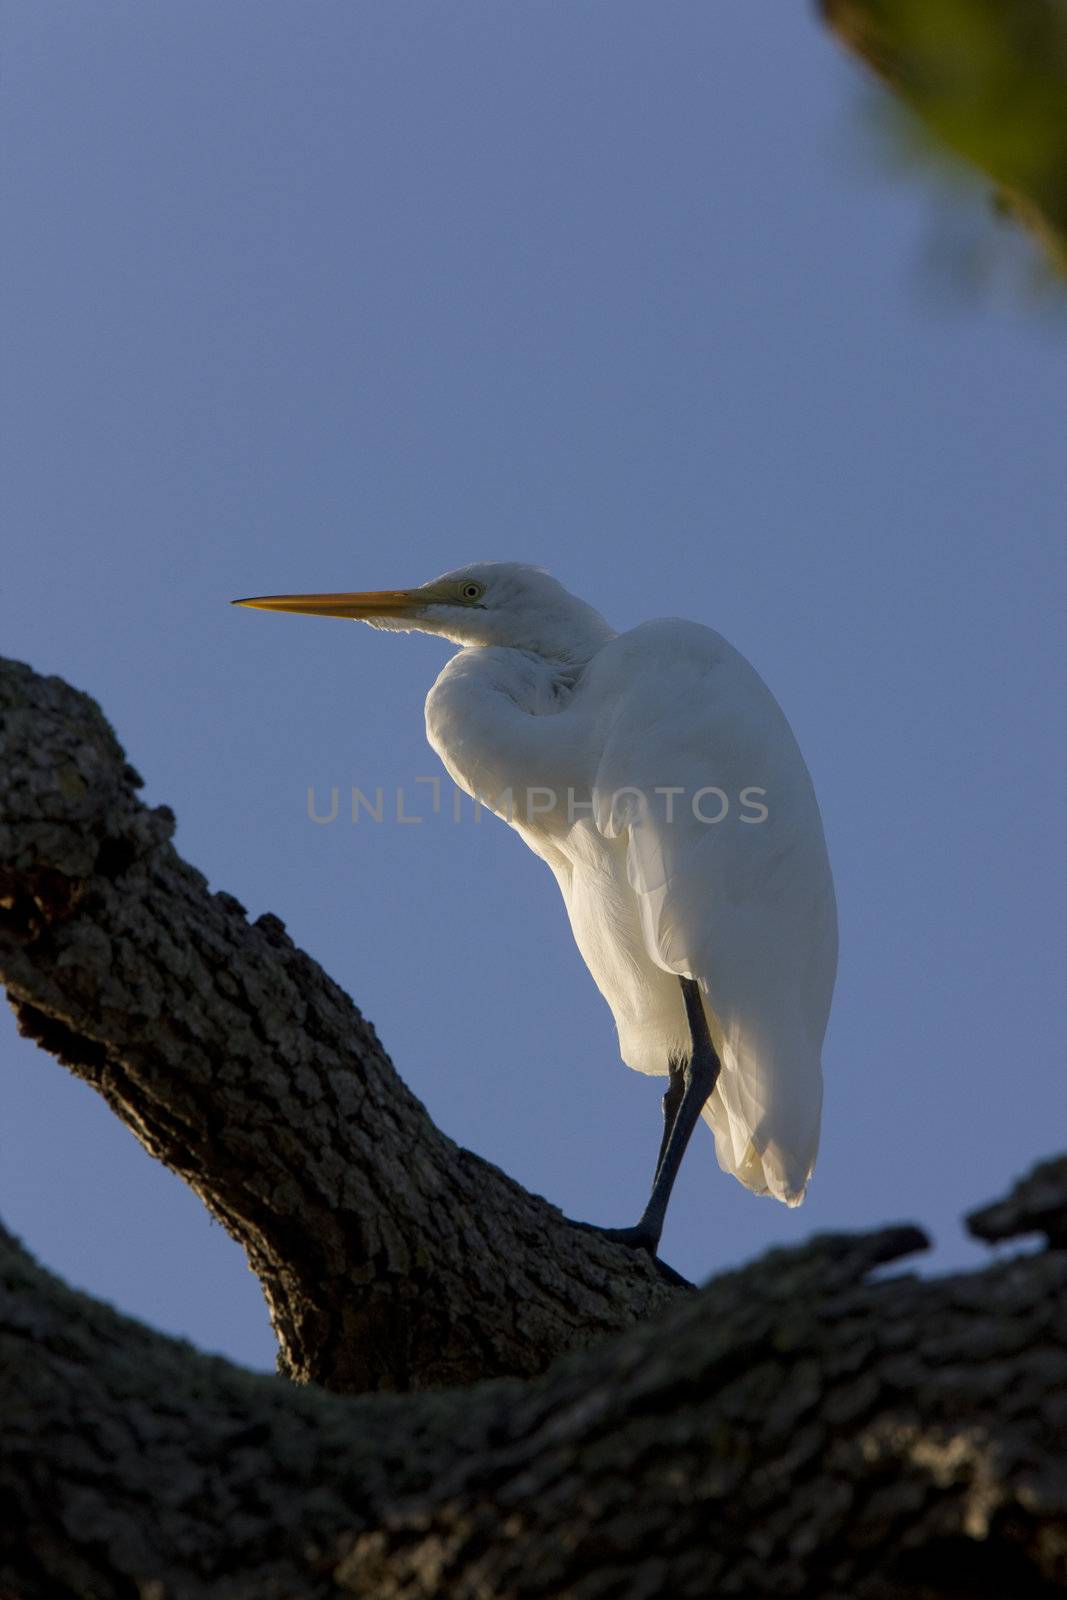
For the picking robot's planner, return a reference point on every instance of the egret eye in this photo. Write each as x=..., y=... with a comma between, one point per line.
x=472, y=591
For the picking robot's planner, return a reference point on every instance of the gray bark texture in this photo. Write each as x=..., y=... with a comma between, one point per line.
x=582, y=1427
x=240, y=1065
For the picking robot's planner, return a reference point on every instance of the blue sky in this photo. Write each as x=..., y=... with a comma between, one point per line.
x=341, y=296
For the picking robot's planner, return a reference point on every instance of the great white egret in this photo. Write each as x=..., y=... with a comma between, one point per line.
x=657, y=776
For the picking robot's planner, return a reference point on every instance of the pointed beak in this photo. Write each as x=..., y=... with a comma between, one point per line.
x=376, y=603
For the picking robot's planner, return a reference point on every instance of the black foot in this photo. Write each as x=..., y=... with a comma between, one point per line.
x=637, y=1239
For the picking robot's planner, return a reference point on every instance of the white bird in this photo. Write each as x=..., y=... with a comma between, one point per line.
x=657, y=776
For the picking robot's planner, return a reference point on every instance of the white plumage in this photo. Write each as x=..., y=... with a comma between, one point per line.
x=612, y=754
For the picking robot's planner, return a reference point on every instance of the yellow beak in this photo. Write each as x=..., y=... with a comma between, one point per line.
x=376, y=603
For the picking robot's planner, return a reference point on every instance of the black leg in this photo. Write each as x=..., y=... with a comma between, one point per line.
x=690, y=1085
x=699, y=1079
x=672, y=1099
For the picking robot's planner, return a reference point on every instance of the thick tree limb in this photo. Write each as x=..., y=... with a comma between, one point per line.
x=793, y=1430
x=390, y=1257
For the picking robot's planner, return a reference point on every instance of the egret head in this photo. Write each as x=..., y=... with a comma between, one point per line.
x=489, y=603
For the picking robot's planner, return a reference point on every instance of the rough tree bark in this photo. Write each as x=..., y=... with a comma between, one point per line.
x=239, y=1064
x=794, y=1429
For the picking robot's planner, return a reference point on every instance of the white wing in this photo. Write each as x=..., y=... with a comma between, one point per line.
x=744, y=906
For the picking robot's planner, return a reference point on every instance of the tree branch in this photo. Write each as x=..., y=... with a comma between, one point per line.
x=390, y=1257
x=792, y=1430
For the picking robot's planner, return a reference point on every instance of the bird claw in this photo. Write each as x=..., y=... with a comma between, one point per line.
x=637, y=1238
